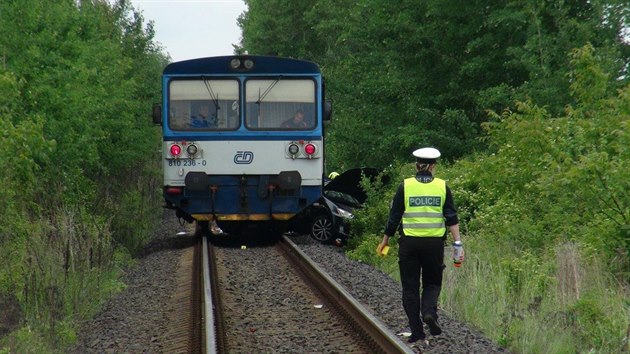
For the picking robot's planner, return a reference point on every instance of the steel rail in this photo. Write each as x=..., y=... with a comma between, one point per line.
x=210, y=338
x=372, y=327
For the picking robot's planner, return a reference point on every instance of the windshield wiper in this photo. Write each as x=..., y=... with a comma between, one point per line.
x=213, y=97
x=267, y=90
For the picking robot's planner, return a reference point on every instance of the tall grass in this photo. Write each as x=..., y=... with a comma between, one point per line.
x=66, y=263
x=559, y=301
x=556, y=302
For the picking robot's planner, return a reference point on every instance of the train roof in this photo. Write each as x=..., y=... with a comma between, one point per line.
x=262, y=65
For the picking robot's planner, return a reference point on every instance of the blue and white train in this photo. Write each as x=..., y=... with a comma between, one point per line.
x=242, y=139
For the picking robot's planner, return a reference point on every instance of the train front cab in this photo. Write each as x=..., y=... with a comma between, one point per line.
x=245, y=169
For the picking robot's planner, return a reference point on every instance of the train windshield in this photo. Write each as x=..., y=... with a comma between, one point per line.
x=206, y=104
x=280, y=104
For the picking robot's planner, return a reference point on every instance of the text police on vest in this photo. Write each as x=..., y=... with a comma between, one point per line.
x=425, y=201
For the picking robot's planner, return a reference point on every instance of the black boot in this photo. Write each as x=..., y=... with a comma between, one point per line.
x=434, y=328
x=416, y=337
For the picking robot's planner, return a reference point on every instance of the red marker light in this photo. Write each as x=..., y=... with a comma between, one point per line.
x=173, y=191
x=176, y=150
x=309, y=149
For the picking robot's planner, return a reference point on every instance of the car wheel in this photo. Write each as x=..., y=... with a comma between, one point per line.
x=321, y=228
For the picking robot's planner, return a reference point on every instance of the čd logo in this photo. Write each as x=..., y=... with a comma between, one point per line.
x=243, y=157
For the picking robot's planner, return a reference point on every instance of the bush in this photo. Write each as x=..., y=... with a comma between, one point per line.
x=540, y=213
x=79, y=151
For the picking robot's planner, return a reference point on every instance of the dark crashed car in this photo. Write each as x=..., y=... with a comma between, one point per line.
x=327, y=220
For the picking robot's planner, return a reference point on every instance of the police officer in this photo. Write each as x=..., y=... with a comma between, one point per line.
x=425, y=206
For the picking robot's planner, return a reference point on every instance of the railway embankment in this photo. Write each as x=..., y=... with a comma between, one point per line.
x=137, y=319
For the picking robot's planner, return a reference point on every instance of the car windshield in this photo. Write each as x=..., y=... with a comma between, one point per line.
x=343, y=198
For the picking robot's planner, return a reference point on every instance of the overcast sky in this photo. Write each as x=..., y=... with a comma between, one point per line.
x=190, y=29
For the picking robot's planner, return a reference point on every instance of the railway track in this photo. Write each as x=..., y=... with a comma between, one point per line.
x=263, y=303
x=275, y=299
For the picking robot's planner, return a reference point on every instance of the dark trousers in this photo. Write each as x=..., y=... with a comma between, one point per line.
x=420, y=256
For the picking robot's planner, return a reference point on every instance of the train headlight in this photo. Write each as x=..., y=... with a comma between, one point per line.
x=175, y=150
x=293, y=149
x=235, y=63
x=249, y=64
x=191, y=150
x=310, y=149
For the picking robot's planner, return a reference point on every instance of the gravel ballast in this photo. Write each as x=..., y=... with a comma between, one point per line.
x=135, y=320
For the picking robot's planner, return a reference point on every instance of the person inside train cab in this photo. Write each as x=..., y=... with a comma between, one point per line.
x=203, y=118
x=295, y=122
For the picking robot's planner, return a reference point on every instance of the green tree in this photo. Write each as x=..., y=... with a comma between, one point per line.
x=276, y=28
x=404, y=74
x=80, y=189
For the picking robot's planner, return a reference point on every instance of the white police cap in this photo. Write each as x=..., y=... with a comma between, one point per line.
x=427, y=155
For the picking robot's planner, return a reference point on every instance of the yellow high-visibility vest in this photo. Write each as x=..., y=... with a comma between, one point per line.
x=424, y=203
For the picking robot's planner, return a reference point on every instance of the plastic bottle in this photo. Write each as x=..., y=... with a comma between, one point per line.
x=458, y=250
